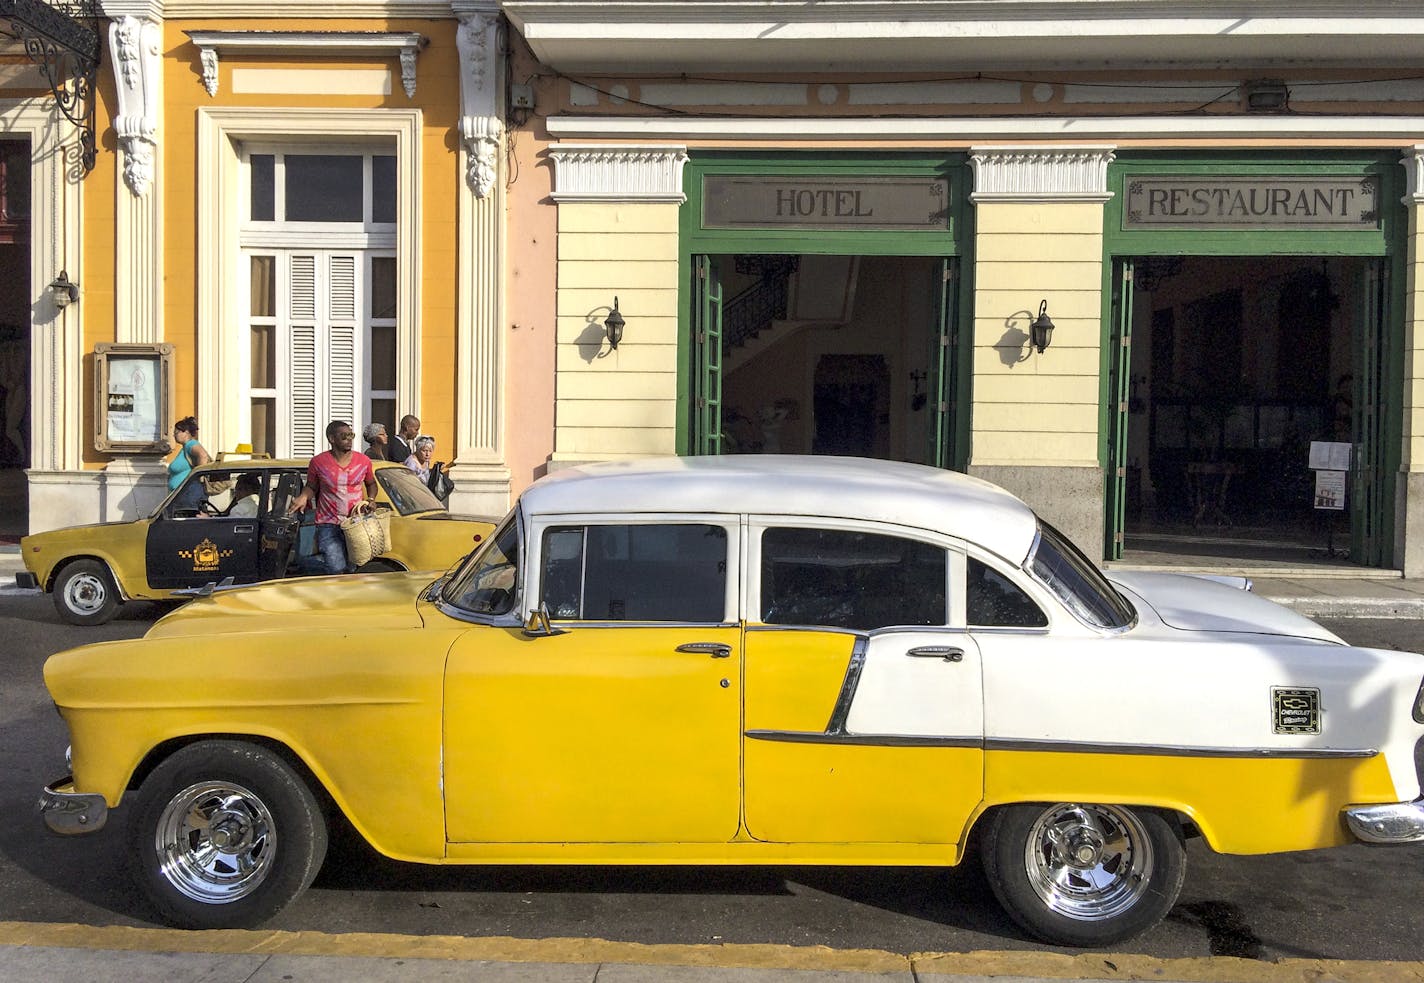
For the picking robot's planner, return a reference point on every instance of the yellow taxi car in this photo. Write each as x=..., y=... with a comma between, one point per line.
x=228, y=524
x=756, y=660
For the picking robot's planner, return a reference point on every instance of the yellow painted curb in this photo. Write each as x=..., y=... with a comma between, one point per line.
x=1051, y=965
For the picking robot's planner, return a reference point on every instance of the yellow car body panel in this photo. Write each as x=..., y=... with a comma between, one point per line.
x=331, y=693
x=1246, y=805
x=118, y=545
x=604, y=734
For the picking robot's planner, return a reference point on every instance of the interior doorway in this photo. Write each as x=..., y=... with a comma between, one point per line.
x=1235, y=365
x=824, y=354
x=15, y=320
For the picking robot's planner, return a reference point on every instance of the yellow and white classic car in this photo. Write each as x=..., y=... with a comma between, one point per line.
x=757, y=660
x=228, y=523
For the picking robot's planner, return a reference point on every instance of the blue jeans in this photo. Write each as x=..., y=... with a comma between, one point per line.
x=331, y=548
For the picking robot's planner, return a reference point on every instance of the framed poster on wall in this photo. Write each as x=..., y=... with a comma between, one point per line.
x=133, y=397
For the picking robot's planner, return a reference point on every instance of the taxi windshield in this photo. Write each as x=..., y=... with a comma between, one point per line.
x=407, y=492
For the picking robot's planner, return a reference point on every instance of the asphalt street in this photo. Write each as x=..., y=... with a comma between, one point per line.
x=1354, y=903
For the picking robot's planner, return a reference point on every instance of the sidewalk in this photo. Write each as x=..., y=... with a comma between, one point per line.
x=30, y=951
x=1334, y=596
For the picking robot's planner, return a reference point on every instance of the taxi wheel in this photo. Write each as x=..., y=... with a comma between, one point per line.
x=1081, y=874
x=225, y=835
x=84, y=593
x=380, y=565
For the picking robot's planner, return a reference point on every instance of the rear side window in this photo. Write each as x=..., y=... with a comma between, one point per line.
x=674, y=572
x=994, y=601
x=857, y=580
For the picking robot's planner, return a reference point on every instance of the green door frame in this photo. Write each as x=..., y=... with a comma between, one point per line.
x=1387, y=242
x=694, y=241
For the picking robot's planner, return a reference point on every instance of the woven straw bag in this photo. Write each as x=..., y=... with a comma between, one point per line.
x=368, y=535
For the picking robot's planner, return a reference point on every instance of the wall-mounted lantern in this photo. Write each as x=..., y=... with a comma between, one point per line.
x=63, y=291
x=613, y=327
x=1040, y=332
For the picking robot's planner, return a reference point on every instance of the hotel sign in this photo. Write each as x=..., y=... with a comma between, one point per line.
x=1342, y=204
x=887, y=204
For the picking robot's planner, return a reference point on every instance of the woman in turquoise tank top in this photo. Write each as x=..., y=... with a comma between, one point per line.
x=190, y=455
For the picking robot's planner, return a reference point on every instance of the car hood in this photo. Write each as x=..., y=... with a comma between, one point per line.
x=1198, y=604
x=375, y=601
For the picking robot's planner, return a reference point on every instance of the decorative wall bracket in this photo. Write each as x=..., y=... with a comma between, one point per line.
x=67, y=51
x=1041, y=173
x=481, y=85
x=310, y=43
x=135, y=44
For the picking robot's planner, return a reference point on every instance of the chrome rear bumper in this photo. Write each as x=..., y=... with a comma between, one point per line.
x=1389, y=822
x=68, y=812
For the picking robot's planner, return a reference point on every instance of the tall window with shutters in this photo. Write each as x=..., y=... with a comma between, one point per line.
x=321, y=269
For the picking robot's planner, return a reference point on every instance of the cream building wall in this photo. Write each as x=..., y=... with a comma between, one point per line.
x=618, y=239
x=1039, y=237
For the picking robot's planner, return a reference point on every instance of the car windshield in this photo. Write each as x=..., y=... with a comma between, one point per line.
x=485, y=584
x=1076, y=581
x=407, y=492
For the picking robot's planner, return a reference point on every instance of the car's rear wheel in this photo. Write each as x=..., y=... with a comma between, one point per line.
x=1081, y=874
x=225, y=835
x=380, y=565
x=84, y=593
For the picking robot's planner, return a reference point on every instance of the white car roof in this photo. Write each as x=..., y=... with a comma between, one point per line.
x=772, y=484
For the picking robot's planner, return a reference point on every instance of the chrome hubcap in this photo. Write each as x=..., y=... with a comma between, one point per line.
x=85, y=593
x=215, y=842
x=1088, y=862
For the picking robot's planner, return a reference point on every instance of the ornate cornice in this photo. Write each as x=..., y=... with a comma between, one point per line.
x=136, y=45
x=1040, y=173
x=310, y=43
x=481, y=122
x=618, y=172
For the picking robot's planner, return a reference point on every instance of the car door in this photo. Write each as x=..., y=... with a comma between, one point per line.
x=185, y=548
x=864, y=706
x=620, y=725
x=278, y=528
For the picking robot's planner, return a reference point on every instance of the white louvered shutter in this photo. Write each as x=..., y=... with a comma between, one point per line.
x=343, y=333
x=305, y=424
x=305, y=392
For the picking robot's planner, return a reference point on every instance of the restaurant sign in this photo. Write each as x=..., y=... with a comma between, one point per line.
x=1251, y=203
x=759, y=201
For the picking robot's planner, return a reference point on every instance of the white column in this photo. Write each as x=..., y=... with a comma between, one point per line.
x=135, y=42
x=483, y=475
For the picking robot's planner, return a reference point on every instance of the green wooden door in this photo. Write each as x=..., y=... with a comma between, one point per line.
x=706, y=358
x=1367, y=432
x=943, y=370
x=1119, y=373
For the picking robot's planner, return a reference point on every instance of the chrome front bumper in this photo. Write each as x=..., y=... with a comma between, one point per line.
x=1389, y=822
x=68, y=812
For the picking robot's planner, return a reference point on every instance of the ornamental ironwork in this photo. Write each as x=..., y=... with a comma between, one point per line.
x=62, y=37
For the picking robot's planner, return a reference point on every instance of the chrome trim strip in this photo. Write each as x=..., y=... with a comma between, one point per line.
x=837, y=723
x=72, y=813
x=1389, y=822
x=862, y=740
x=1174, y=750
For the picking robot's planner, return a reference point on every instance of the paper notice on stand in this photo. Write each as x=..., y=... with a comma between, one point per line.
x=1329, y=455
x=1330, y=490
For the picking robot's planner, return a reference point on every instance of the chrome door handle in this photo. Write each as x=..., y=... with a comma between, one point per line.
x=247, y=528
x=946, y=652
x=715, y=649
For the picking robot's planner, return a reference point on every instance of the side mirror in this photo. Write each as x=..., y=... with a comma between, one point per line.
x=537, y=625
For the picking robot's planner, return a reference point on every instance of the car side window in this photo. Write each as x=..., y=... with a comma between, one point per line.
x=844, y=579
x=994, y=601
x=669, y=572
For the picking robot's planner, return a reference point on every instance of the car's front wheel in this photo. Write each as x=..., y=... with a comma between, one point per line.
x=1081, y=874
x=84, y=593
x=225, y=835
